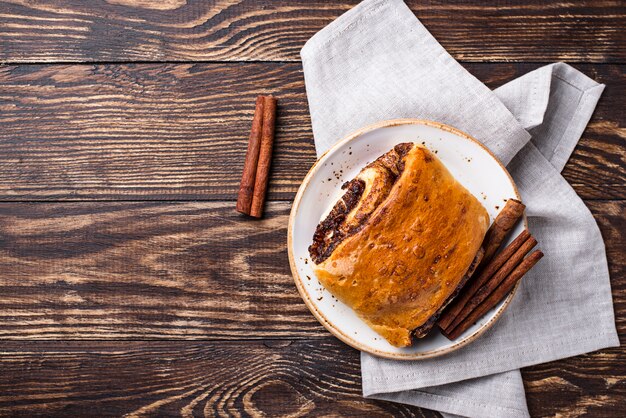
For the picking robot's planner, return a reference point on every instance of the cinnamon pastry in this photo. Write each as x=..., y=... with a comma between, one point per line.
x=397, y=246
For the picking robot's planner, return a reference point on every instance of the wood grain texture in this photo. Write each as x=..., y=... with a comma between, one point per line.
x=186, y=308
x=179, y=131
x=189, y=270
x=147, y=270
x=591, y=385
x=256, y=378
x=192, y=30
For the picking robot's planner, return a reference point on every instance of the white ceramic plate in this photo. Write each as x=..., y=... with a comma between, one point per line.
x=470, y=163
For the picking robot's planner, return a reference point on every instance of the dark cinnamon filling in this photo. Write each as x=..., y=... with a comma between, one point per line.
x=336, y=226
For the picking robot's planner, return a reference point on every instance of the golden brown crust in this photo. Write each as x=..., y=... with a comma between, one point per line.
x=425, y=328
x=400, y=266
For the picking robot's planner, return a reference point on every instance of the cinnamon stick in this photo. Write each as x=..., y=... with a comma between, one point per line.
x=476, y=282
x=265, y=157
x=246, y=187
x=494, y=281
x=499, y=293
x=504, y=222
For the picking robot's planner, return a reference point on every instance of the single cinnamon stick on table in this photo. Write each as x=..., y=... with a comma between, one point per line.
x=504, y=222
x=499, y=293
x=246, y=187
x=475, y=283
x=494, y=281
x=265, y=157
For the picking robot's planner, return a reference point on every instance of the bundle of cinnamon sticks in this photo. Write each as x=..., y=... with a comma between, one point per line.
x=256, y=169
x=496, y=275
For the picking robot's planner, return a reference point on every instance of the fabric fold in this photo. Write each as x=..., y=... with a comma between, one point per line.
x=473, y=397
x=352, y=92
x=378, y=62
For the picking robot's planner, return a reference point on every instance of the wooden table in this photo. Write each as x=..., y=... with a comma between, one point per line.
x=129, y=285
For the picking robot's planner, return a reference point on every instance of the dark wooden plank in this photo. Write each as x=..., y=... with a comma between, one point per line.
x=190, y=270
x=275, y=377
x=591, y=385
x=126, y=30
x=147, y=270
x=179, y=131
x=254, y=378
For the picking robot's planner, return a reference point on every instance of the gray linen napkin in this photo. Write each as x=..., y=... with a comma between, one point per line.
x=376, y=62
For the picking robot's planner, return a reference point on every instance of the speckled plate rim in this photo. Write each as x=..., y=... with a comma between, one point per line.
x=298, y=280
